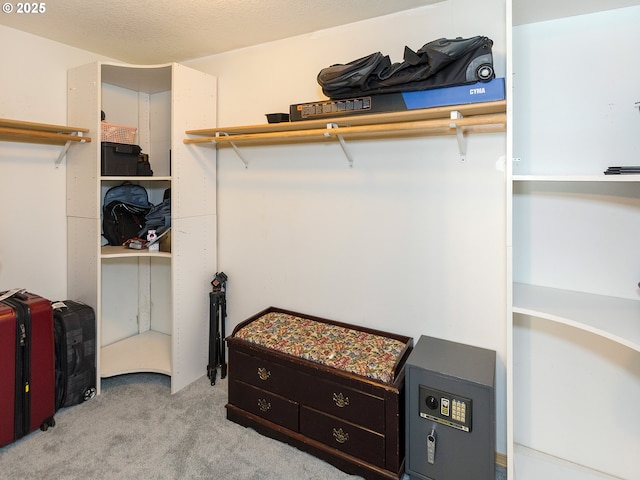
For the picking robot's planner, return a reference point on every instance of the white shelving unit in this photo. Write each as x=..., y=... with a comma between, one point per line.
x=151, y=307
x=574, y=322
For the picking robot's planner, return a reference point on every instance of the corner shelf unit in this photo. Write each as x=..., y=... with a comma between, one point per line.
x=484, y=117
x=610, y=317
x=535, y=308
x=574, y=230
x=43, y=133
x=151, y=307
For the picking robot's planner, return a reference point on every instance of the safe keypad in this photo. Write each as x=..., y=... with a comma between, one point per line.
x=458, y=410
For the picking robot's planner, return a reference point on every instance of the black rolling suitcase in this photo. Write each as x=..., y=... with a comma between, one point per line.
x=27, y=359
x=75, y=341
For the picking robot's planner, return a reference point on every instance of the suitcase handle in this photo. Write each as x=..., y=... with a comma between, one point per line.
x=78, y=352
x=16, y=292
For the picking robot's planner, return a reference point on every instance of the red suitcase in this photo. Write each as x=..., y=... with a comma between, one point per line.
x=27, y=365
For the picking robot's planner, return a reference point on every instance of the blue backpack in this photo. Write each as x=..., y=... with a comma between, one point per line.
x=123, y=212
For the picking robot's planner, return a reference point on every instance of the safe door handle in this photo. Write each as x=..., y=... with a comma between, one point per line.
x=431, y=446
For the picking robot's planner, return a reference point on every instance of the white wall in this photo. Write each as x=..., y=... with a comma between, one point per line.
x=33, y=235
x=410, y=240
x=575, y=89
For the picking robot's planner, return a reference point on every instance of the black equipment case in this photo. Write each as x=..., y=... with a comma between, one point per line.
x=120, y=159
x=75, y=343
x=27, y=386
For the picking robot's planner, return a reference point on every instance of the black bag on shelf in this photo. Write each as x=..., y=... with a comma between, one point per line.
x=143, y=167
x=439, y=63
x=123, y=213
x=158, y=218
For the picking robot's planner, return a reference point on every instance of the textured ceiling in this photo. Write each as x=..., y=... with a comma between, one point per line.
x=160, y=31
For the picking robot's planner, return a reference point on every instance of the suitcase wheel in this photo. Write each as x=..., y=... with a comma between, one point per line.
x=89, y=393
x=49, y=422
x=484, y=72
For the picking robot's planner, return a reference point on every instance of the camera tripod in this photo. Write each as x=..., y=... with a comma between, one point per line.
x=217, y=315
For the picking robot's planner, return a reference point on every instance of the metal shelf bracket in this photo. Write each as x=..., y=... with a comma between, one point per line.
x=343, y=144
x=62, y=153
x=65, y=149
x=462, y=141
x=235, y=149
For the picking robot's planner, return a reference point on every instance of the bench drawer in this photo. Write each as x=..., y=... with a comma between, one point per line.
x=264, y=404
x=344, y=436
x=347, y=403
x=264, y=374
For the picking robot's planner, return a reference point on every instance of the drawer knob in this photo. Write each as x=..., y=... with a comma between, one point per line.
x=263, y=405
x=340, y=435
x=340, y=400
x=263, y=373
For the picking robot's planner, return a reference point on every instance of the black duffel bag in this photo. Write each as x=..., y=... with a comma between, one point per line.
x=440, y=63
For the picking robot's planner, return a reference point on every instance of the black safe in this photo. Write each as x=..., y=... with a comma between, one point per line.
x=450, y=411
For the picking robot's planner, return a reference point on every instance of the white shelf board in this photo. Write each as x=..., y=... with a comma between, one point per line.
x=137, y=179
x=112, y=251
x=534, y=465
x=147, y=352
x=143, y=78
x=617, y=319
x=576, y=178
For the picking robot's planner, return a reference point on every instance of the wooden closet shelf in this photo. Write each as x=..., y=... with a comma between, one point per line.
x=473, y=118
x=29, y=132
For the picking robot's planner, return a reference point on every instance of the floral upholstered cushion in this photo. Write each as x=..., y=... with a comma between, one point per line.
x=354, y=351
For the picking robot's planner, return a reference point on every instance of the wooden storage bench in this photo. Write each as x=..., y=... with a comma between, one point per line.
x=332, y=389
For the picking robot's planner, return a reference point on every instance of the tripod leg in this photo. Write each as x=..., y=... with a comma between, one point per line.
x=223, y=316
x=213, y=334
